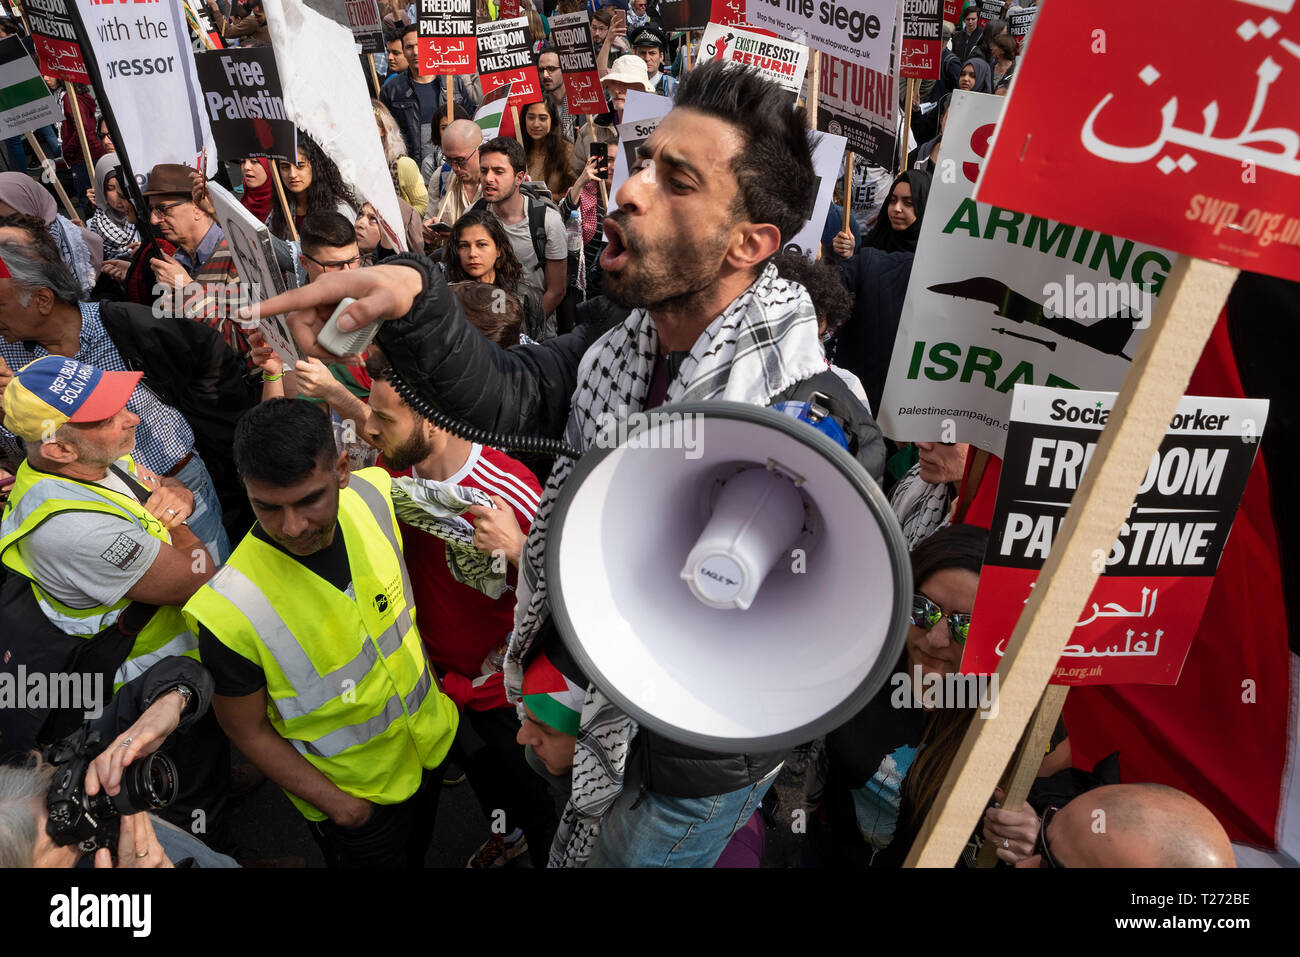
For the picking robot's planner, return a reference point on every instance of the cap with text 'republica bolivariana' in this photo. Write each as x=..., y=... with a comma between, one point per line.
x=53, y=390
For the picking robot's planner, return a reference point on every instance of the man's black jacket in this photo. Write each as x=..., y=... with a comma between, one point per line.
x=189, y=366
x=527, y=389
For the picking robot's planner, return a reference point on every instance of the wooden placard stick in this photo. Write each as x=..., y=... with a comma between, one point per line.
x=374, y=74
x=814, y=87
x=1184, y=318
x=1017, y=782
x=848, y=185
x=284, y=201
x=48, y=167
x=451, y=97
x=519, y=133
x=907, y=126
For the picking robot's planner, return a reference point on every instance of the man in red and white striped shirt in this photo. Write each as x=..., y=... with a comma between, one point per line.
x=464, y=630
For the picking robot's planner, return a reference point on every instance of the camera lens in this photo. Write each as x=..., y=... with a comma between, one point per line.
x=147, y=785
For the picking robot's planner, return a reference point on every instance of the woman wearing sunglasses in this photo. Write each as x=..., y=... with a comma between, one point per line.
x=886, y=764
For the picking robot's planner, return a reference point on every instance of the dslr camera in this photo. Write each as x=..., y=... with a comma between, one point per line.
x=148, y=784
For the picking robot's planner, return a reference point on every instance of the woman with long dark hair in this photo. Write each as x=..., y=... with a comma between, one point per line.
x=479, y=250
x=898, y=226
x=312, y=183
x=887, y=763
x=548, y=151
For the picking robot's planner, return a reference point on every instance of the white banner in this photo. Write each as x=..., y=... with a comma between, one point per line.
x=828, y=151
x=856, y=30
x=325, y=92
x=997, y=298
x=146, y=66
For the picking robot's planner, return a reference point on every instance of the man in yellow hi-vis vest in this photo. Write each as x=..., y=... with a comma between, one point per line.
x=309, y=632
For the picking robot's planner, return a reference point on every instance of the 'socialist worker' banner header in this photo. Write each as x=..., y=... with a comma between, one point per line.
x=1139, y=621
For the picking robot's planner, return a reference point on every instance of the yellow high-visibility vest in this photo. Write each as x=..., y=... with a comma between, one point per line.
x=35, y=497
x=347, y=680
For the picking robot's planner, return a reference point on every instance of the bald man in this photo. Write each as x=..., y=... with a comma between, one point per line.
x=1133, y=825
x=459, y=188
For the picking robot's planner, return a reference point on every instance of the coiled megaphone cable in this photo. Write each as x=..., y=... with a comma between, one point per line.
x=529, y=444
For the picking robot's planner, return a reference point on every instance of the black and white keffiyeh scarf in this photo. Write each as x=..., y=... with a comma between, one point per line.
x=762, y=344
x=436, y=507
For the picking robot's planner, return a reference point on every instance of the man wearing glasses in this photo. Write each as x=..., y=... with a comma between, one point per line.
x=329, y=244
x=460, y=187
x=552, y=77
x=199, y=280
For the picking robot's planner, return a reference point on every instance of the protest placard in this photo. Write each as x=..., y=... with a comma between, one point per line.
x=858, y=103
x=25, y=100
x=144, y=59
x=245, y=103
x=641, y=115
x=782, y=62
x=250, y=245
x=446, y=38
x=507, y=9
x=950, y=10
x=1214, y=162
x=505, y=56
x=202, y=19
x=55, y=40
x=363, y=18
x=997, y=298
x=990, y=10
x=828, y=151
x=678, y=15
x=571, y=35
x=1021, y=21
x=1146, y=606
x=860, y=31
x=922, y=40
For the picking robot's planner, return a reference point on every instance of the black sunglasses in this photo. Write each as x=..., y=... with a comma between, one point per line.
x=1045, y=852
x=926, y=614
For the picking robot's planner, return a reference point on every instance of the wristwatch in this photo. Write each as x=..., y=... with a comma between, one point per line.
x=187, y=695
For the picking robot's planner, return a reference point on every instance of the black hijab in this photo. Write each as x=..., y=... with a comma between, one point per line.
x=883, y=235
x=983, y=74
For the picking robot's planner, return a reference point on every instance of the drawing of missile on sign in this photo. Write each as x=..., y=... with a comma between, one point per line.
x=1121, y=307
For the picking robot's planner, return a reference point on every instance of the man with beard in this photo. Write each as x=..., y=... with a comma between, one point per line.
x=724, y=181
x=465, y=628
x=552, y=77
x=309, y=633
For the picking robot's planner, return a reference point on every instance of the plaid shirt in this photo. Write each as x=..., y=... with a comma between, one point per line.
x=163, y=437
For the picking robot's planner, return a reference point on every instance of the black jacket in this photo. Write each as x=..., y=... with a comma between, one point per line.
x=189, y=366
x=864, y=344
x=528, y=389
x=400, y=99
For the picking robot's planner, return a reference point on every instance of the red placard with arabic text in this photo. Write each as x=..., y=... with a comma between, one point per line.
x=1146, y=143
x=922, y=40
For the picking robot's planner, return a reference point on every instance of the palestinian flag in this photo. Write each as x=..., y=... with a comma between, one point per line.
x=25, y=101
x=492, y=112
x=554, y=697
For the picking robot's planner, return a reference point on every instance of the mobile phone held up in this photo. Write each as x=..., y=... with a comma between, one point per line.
x=601, y=152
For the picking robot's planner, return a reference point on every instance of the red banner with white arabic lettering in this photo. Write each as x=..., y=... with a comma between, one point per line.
x=1148, y=144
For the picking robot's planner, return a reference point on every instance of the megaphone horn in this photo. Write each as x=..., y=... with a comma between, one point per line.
x=747, y=592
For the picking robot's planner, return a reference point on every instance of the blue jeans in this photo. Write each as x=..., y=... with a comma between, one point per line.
x=662, y=831
x=206, y=520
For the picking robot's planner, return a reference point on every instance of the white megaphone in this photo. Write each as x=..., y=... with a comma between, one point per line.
x=728, y=576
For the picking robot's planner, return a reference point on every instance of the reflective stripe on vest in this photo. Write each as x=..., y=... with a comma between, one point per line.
x=348, y=683
x=37, y=497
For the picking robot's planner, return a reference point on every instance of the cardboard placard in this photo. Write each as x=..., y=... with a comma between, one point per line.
x=505, y=56
x=780, y=61
x=859, y=103
x=678, y=15
x=244, y=102
x=1138, y=624
x=998, y=298
x=25, y=101
x=447, y=38
x=363, y=18
x=571, y=36
x=56, y=40
x=857, y=30
x=922, y=40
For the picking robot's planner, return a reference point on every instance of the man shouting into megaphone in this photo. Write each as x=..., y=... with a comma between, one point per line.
x=723, y=183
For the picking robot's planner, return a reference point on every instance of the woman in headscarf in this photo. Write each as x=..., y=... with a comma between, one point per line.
x=258, y=189
x=82, y=250
x=976, y=75
x=114, y=220
x=898, y=226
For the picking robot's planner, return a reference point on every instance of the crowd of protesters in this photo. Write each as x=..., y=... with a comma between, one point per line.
x=220, y=525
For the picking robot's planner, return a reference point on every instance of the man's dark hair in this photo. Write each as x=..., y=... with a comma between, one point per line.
x=830, y=298
x=282, y=441
x=325, y=228
x=544, y=48
x=409, y=28
x=773, y=168
x=509, y=146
